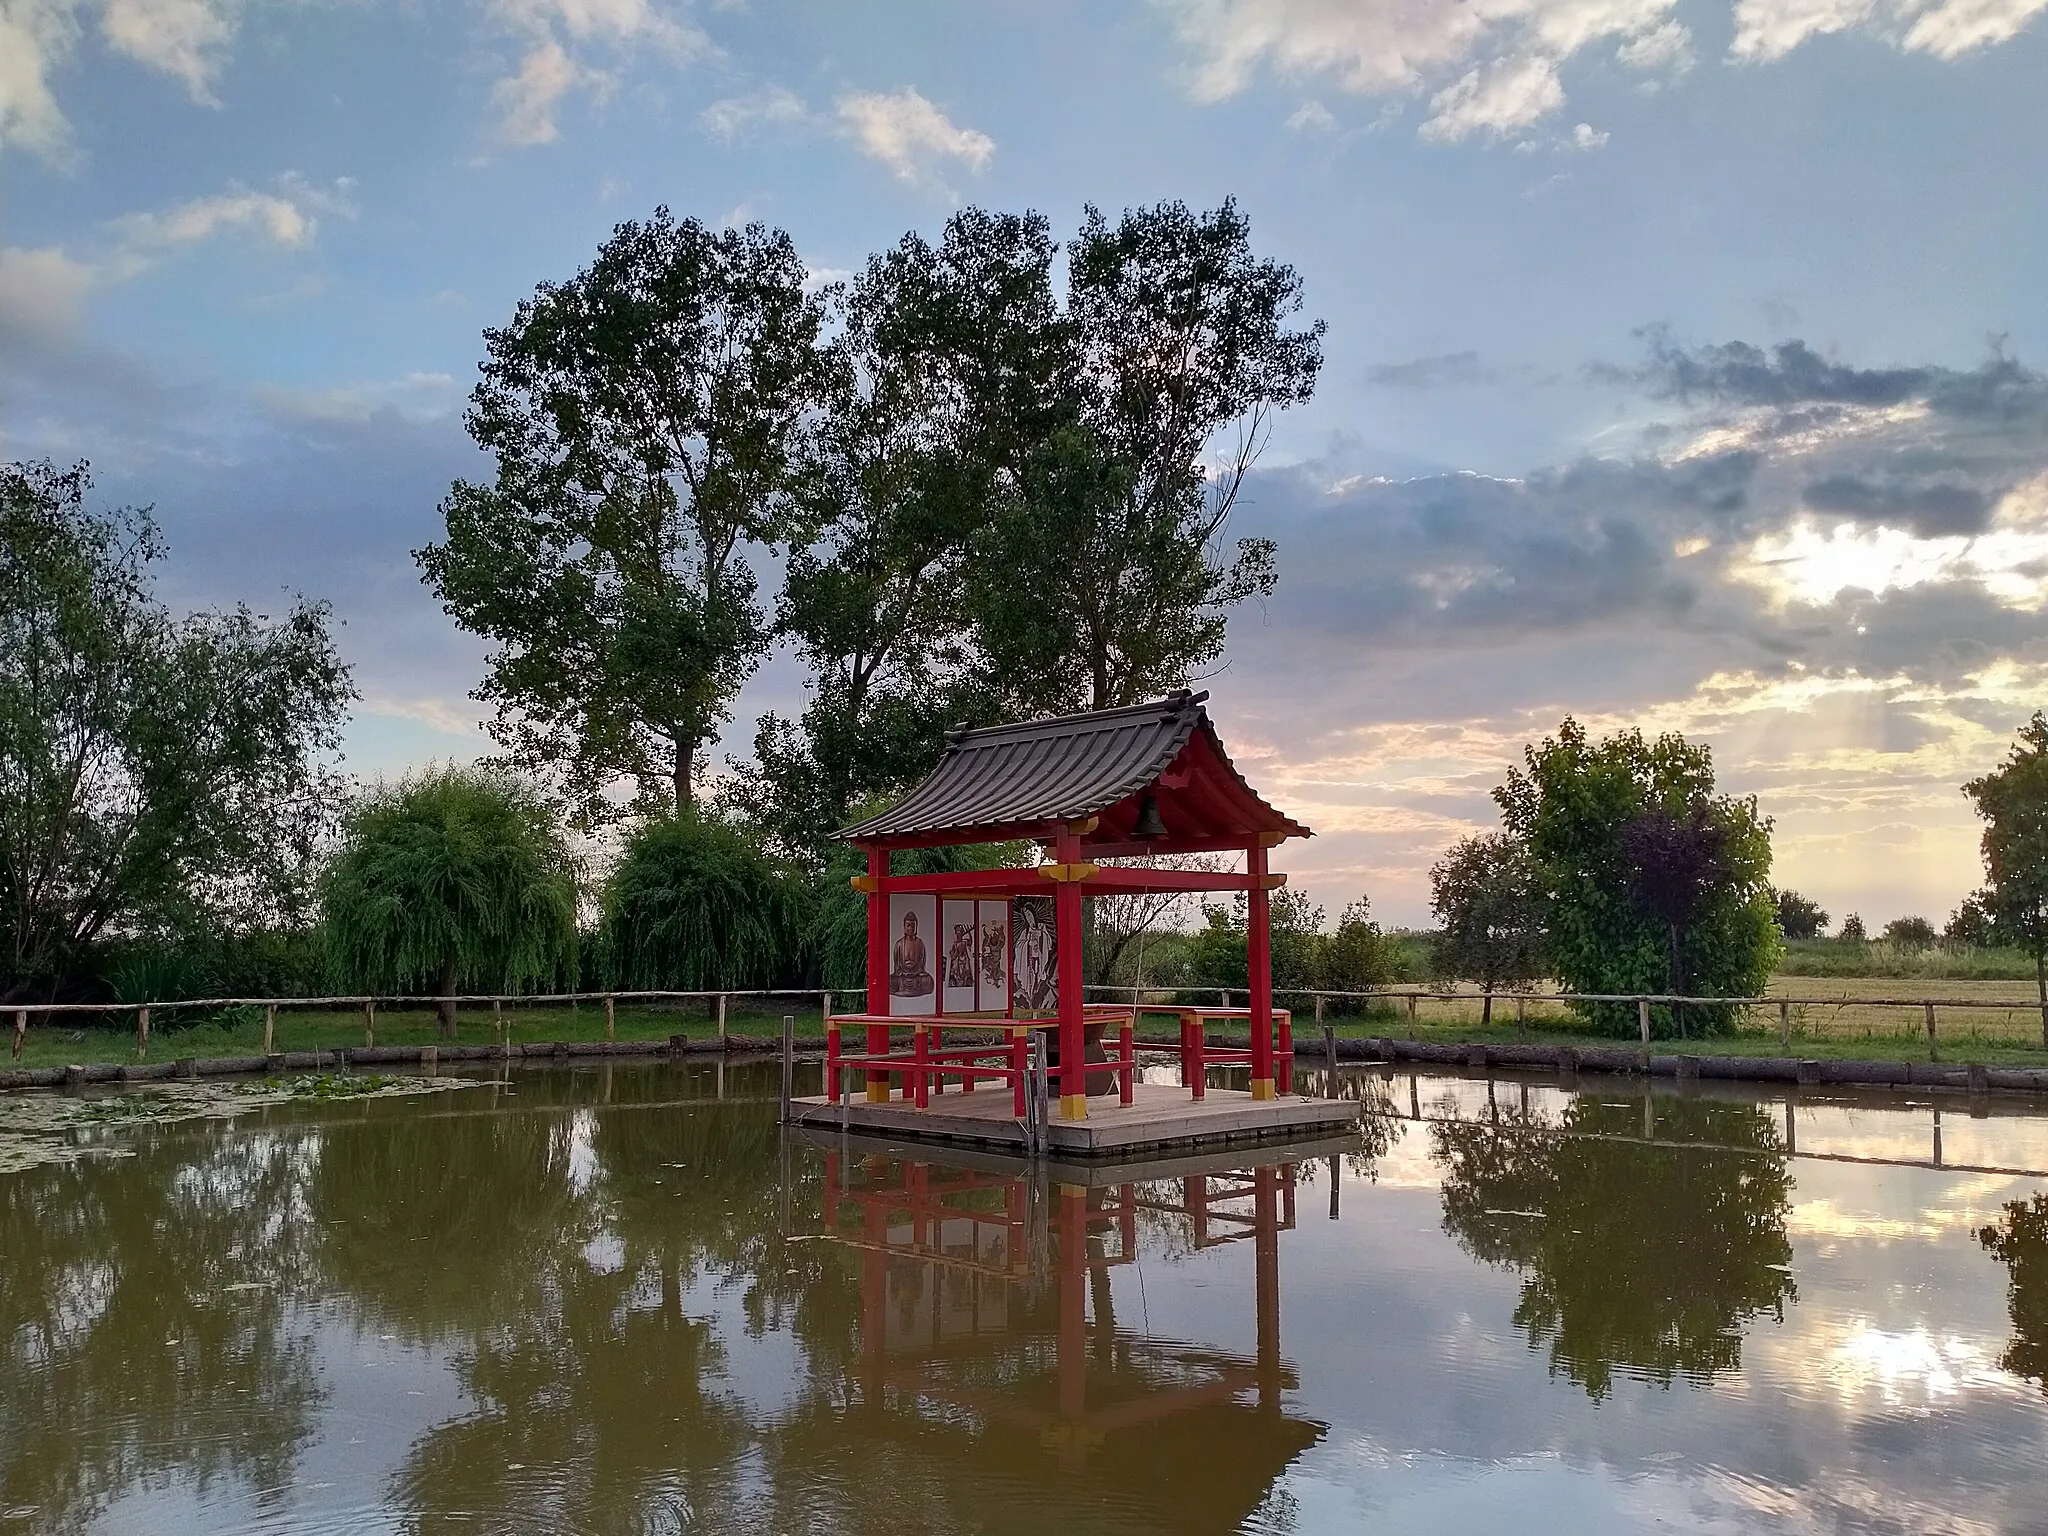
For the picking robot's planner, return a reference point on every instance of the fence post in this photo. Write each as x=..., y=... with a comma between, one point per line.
x=1521, y=1014
x=1319, y=1007
x=610, y=1022
x=269, y=1028
x=1784, y=1024
x=498, y=1020
x=721, y=1021
x=1411, y=1015
x=1933, y=1045
x=788, y=1063
x=1224, y=993
x=141, y=1032
x=20, y=1031
x=369, y=1021
x=1643, y=1019
x=825, y=1005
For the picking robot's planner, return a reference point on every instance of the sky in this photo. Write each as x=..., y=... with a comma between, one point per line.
x=1684, y=367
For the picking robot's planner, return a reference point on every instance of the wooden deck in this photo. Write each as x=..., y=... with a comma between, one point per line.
x=1158, y=1118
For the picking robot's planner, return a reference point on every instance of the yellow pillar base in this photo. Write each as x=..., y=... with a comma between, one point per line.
x=1073, y=1106
x=878, y=1093
x=1262, y=1088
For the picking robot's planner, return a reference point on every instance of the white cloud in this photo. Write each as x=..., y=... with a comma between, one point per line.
x=526, y=102
x=1311, y=115
x=183, y=38
x=1493, y=65
x=908, y=134
x=41, y=291
x=1666, y=47
x=1495, y=101
x=1585, y=136
x=436, y=714
x=286, y=217
x=34, y=34
x=416, y=396
x=734, y=116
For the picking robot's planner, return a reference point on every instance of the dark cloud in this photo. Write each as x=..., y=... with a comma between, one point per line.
x=1931, y=510
x=1449, y=369
x=1791, y=373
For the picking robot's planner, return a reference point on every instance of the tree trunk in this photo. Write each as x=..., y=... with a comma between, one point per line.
x=686, y=757
x=447, y=1005
x=2041, y=986
x=1486, y=1009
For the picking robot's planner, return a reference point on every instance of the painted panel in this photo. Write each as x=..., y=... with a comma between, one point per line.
x=1034, y=955
x=957, y=989
x=994, y=980
x=913, y=954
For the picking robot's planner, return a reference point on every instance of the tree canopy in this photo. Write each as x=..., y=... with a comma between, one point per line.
x=458, y=879
x=156, y=773
x=694, y=903
x=1489, y=907
x=2013, y=800
x=1650, y=879
x=1799, y=918
x=643, y=415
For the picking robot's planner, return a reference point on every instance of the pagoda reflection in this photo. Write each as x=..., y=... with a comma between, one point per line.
x=986, y=1307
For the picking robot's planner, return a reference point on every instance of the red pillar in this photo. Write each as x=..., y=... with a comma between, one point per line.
x=1259, y=951
x=1266, y=1248
x=878, y=970
x=1066, y=903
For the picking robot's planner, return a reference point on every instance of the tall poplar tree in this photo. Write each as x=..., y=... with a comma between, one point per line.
x=643, y=416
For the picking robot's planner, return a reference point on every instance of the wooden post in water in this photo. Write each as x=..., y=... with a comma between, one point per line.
x=269, y=1028
x=20, y=1031
x=788, y=1063
x=1784, y=1023
x=1933, y=1045
x=141, y=1032
x=610, y=1022
x=1329, y=1056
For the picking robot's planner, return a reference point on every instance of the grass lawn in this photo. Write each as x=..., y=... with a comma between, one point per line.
x=68, y=1042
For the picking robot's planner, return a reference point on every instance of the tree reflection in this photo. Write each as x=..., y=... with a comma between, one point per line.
x=2020, y=1242
x=1646, y=1258
x=144, y=1325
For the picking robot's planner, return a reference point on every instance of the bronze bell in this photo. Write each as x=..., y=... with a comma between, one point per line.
x=1148, y=825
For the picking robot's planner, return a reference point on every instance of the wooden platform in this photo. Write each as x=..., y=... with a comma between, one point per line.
x=1159, y=1117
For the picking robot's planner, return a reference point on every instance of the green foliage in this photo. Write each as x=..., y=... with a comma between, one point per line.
x=167, y=967
x=457, y=879
x=1649, y=1260
x=1355, y=958
x=695, y=904
x=2019, y=1241
x=2013, y=800
x=1180, y=353
x=643, y=416
x=157, y=775
x=1852, y=930
x=1573, y=806
x=1972, y=922
x=1909, y=933
x=1486, y=895
x=1799, y=918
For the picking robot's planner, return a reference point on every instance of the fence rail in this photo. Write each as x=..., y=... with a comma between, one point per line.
x=1643, y=1002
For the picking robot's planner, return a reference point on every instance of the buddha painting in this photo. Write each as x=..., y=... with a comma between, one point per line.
x=910, y=972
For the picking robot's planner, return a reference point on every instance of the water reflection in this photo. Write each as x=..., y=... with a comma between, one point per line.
x=1636, y=1254
x=143, y=1326
x=2020, y=1242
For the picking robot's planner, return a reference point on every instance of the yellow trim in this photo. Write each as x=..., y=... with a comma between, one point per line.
x=1274, y=882
x=1074, y=1106
x=1074, y=1191
x=1272, y=839
x=866, y=884
x=1069, y=872
x=878, y=1093
x=1019, y=1029
x=1262, y=1088
x=1084, y=826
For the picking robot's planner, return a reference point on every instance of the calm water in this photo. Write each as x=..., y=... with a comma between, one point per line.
x=609, y=1301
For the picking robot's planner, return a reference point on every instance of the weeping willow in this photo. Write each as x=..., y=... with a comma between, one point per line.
x=694, y=903
x=454, y=879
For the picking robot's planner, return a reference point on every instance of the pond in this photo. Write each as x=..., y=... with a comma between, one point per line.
x=617, y=1299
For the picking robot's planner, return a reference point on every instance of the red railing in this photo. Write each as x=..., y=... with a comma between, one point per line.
x=926, y=1066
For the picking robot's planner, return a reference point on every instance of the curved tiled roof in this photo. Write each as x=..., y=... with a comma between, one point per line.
x=1059, y=769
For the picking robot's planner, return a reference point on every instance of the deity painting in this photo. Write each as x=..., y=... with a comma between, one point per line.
x=1034, y=955
x=960, y=956
x=912, y=978
x=957, y=992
